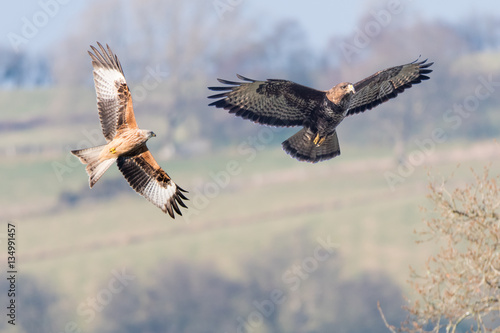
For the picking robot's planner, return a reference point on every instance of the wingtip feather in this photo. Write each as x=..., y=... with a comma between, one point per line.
x=222, y=95
x=241, y=77
x=220, y=88
x=228, y=82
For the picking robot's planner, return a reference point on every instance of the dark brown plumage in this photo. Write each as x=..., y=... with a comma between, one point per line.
x=285, y=103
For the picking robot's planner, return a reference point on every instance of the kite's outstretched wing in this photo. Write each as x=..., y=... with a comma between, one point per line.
x=113, y=96
x=148, y=179
x=271, y=102
x=386, y=84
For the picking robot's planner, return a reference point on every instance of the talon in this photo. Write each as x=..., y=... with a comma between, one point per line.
x=316, y=139
x=112, y=150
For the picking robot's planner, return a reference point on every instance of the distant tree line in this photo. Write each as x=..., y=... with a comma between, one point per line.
x=182, y=50
x=23, y=70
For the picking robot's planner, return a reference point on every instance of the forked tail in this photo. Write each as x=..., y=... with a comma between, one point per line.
x=95, y=166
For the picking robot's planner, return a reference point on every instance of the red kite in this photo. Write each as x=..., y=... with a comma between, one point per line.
x=126, y=143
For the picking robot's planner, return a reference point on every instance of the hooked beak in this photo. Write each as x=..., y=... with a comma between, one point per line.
x=350, y=88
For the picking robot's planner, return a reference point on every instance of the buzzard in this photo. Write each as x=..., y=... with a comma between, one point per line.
x=126, y=143
x=285, y=103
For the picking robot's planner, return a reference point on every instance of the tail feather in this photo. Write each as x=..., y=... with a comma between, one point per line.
x=95, y=166
x=302, y=147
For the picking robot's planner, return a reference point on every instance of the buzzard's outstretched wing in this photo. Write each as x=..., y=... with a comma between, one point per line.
x=148, y=179
x=386, y=84
x=271, y=102
x=113, y=96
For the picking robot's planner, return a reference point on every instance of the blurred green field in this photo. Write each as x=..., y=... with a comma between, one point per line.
x=348, y=199
x=268, y=205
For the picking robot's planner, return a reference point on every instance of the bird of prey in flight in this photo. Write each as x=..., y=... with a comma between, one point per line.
x=126, y=142
x=285, y=103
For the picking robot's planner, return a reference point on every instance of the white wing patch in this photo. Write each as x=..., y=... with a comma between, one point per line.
x=159, y=195
x=109, y=103
x=153, y=184
x=108, y=80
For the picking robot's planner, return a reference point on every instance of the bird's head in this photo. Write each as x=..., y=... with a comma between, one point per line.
x=150, y=134
x=349, y=88
x=342, y=92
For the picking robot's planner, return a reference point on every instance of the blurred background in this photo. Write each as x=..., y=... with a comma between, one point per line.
x=268, y=244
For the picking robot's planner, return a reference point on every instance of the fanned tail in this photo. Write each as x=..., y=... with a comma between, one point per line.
x=302, y=147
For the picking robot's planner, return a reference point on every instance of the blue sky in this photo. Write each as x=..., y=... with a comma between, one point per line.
x=323, y=18
x=319, y=18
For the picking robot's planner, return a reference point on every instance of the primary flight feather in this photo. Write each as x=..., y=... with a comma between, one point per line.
x=126, y=143
x=286, y=103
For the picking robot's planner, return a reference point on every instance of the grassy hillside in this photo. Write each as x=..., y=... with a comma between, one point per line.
x=272, y=198
x=244, y=208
